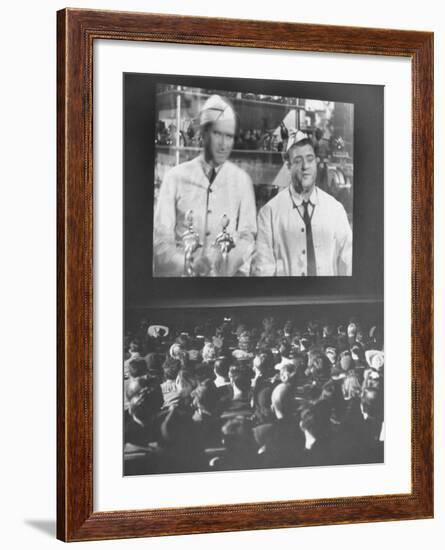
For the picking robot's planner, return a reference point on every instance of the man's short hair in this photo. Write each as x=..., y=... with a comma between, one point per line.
x=315, y=419
x=372, y=402
x=237, y=430
x=240, y=376
x=146, y=403
x=288, y=371
x=266, y=365
x=302, y=143
x=206, y=396
x=283, y=399
x=137, y=367
x=320, y=364
x=171, y=367
x=221, y=367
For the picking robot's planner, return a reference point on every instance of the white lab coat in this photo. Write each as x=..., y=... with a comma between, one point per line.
x=186, y=187
x=281, y=240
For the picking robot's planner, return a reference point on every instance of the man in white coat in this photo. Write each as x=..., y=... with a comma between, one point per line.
x=211, y=187
x=302, y=231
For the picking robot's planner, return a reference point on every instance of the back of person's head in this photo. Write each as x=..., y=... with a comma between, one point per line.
x=331, y=353
x=329, y=391
x=208, y=352
x=346, y=362
x=288, y=373
x=206, y=397
x=372, y=403
x=237, y=432
x=137, y=367
x=171, y=367
x=263, y=362
x=178, y=352
x=284, y=348
x=373, y=382
x=263, y=403
x=351, y=386
x=315, y=419
x=282, y=401
x=154, y=362
x=185, y=382
x=202, y=372
x=135, y=385
x=175, y=429
x=221, y=367
x=245, y=341
x=320, y=365
x=288, y=326
x=135, y=347
x=183, y=340
x=305, y=343
x=352, y=330
x=145, y=404
x=240, y=377
x=358, y=354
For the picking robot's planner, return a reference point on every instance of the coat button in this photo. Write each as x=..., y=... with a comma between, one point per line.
x=303, y=274
x=303, y=251
x=302, y=229
x=207, y=233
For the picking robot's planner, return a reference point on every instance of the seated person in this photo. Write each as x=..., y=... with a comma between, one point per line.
x=206, y=404
x=238, y=401
x=154, y=366
x=140, y=418
x=240, y=449
x=361, y=429
x=281, y=441
x=136, y=378
x=332, y=394
x=185, y=383
x=318, y=373
x=320, y=447
x=181, y=447
x=264, y=372
x=245, y=347
x=171, y=368
x=221, y=371
x=134, y=351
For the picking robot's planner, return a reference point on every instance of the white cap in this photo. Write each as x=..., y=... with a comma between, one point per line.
x=154, y=329
x=216, y=109
x=375, y=358
x=294, y=137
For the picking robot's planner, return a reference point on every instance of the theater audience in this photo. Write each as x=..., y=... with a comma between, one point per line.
x=267, y=393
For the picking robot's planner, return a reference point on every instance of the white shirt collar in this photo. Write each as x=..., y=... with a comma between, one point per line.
x=207, y=168
x=298, y=199
x=310, y=440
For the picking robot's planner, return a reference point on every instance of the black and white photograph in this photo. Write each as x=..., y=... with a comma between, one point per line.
x=248, y=184
x=253, y=274
x=257, y=388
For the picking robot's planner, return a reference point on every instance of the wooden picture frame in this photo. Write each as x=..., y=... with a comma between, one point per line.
x=77, y=31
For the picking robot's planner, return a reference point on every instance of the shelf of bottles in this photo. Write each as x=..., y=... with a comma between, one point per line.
x=261, y=136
